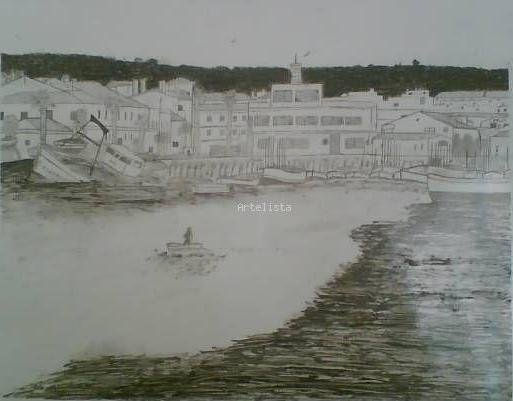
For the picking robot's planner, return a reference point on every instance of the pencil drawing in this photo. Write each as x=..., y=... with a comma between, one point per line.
x=294, y=232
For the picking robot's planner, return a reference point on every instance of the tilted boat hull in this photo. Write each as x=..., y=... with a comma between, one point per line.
x=17, y=170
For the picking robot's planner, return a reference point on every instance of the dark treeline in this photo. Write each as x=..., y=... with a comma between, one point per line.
x=387, y=80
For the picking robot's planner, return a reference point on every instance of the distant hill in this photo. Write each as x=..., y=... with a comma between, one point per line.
x=387, y=80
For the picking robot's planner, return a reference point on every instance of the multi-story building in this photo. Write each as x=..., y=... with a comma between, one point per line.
x=64, y=100
x=296, y=115
x=171, y=130
x=495, y=102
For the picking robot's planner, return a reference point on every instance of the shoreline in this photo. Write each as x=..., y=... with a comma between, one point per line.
x=232, y=302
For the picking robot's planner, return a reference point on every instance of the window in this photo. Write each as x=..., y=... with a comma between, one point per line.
x=150, y=149
x=244, y=117
x=307, y=120
x=282, y=96
x=446, y=129
x=396, y=104
x=49, y=114
x=354, y=143
x=283, y=120
x=332, y=120
x=421, y=146
x=297, y=143
x=175, y=144
x=262, y=121
x=1, y=115
x=180, y=107
x=105, y=114
x=209, y=119
x=422, y=100
x=209, y=132
x=353, y=120
x=131, y=115
x=325, y=141
x=496, y=148
x=23, y=115
x=307, y=95
x=125, y=116
x=222, y=118
x=234, y=118
x=99, y=113
x=234, y=132
x=429, y=130
x=415, y=148
x=120, y=141
x=27, y=142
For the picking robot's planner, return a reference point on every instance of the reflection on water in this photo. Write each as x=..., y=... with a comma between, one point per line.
x=422, y=314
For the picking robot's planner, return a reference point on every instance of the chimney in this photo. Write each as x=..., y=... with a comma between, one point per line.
x=295, y=72
x=135, y=87
x=142, y=85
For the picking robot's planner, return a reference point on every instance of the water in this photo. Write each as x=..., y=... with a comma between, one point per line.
x=424, y=313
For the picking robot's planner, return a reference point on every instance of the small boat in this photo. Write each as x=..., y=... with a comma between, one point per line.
x=192, y=250
x=239, y=181
x=211, y=188
x=484, y=184
x=286, y=176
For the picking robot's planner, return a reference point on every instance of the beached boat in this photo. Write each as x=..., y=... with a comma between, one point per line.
x=286, y=176
x=211, y=188
x=483, y=183
x=121, y=161
x=50, y=168
x=71, y=145
x=239, y=181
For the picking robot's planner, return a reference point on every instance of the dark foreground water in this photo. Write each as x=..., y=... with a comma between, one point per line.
x=423, y=314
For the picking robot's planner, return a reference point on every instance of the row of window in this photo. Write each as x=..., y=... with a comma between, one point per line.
x=303, y=121
x=299, y=96
x=222, y=132
x=432, y=130
x=304, y=143
x=24, y=115
x=222, y=118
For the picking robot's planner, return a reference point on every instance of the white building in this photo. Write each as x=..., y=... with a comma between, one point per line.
x=296, y=115
x=171, y=130
x=495, y=102
x=61, y=100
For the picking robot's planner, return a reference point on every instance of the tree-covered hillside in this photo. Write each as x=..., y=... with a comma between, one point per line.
x=387, y=80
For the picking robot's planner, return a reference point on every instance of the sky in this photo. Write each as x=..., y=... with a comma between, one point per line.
x=266, y=32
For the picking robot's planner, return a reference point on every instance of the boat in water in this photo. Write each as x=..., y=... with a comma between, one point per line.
x=284, y=176
x=211, y=188
x=484, y=183
x=189, y=257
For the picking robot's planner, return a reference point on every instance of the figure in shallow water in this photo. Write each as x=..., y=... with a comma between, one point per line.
x=188, y=236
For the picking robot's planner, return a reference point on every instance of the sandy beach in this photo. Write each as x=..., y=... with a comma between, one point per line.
x=86, y=284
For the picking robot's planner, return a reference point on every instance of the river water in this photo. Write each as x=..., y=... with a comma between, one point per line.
x=422, y=314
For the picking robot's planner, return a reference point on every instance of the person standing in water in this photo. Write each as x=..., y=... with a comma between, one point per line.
x=188, y=236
